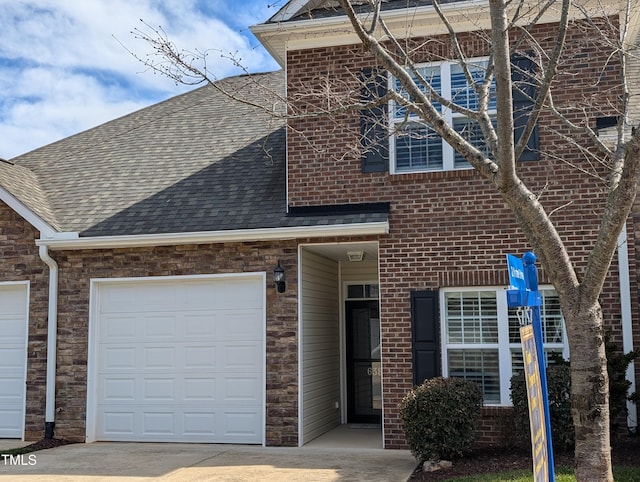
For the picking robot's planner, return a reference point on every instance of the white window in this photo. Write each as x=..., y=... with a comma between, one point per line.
x=481, y=338
x=415, y=147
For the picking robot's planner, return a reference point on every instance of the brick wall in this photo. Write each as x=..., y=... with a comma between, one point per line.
x=447, y=228
x=78, y=267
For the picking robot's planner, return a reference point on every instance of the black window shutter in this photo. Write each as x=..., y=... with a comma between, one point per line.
x=522, y=104
x=425, y=323
x=374, y=136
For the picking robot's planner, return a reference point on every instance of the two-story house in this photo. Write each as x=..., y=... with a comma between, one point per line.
x=139, y=259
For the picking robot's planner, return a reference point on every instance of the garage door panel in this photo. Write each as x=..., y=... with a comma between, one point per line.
x=240, y=357
x=159, y=326
x=239, y=325
x=194, y=373
x=118, y=358
x=199, y=424
x=195, y=325
x=11, y=357
x=239, y=425
x=232, y=294
x=142, y=389
x=12, y=389
x=217, y=357
x=202, y=357
x=159, y=358
x=118, y=328
x=13, y=328
x=13, y=298
x=116, y=389
x=234, y=425
x=145, y=298
x=159, y=389
x=117, y=423
x=241, y=389
x=200, y=389
x=11, y=421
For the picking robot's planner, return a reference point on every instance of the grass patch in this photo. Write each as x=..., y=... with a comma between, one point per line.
x=563, y=474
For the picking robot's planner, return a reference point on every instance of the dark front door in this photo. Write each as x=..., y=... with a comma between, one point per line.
x=364, y=390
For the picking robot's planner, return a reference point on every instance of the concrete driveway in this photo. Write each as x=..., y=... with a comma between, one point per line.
x=201, y=462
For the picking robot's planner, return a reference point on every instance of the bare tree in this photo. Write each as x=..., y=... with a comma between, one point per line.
x=511, y=35
x=579, y=295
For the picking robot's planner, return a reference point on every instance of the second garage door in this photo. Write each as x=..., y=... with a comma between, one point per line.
x=13, y=356
x=179, y=360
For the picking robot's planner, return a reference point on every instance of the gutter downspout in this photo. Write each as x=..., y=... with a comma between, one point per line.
x=627, y=324
x=52, y=334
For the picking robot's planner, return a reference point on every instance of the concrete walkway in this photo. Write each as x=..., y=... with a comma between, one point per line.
x=102, y=461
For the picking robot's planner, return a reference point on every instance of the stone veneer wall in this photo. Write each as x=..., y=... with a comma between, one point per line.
x=20, y=262
x=78, y=267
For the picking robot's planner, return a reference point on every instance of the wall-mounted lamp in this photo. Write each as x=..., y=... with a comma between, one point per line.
x=278, y=278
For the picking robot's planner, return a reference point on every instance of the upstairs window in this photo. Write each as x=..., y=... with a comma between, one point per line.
x=415, y=147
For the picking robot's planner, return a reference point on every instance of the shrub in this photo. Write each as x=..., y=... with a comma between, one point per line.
x=559, y=388
x=440, y=417
x=617, y=364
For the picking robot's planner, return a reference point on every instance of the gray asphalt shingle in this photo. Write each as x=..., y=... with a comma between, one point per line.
x=200, y=161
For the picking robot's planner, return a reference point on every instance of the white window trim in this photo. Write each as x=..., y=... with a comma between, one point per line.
x=448, y=154
x=504, y=347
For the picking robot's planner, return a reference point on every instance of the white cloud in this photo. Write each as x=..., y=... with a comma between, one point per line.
x=63, y=67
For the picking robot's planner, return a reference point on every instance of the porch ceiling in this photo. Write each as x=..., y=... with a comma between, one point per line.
x=338, y=251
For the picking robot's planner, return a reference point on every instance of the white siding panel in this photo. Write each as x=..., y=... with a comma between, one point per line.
x=364, y=271
x=320, y=345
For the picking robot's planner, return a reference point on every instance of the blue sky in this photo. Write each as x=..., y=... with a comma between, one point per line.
x=64, y=69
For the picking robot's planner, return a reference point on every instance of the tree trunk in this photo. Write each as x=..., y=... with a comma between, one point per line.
x=589, y=393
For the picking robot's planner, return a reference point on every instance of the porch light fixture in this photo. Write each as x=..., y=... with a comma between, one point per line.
x=278, y=278
x=355, y=256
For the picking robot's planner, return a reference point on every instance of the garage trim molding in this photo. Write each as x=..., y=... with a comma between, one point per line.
x=93, y=338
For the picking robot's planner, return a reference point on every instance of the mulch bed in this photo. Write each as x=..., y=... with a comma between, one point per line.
x=39, y=445
x=495, y=460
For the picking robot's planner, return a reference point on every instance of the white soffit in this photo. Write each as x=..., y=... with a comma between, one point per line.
x=239, y=235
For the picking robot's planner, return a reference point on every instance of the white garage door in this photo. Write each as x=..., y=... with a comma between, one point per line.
x=13, y=357
x=181, y=360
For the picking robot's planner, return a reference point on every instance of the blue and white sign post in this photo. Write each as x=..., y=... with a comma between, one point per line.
x=524, y=294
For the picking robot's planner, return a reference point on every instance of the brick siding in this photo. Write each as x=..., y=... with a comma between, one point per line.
x=447, y=228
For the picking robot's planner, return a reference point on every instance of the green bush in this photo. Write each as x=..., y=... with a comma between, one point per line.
x=559, y=388
x=617, y=364
x=440, y=417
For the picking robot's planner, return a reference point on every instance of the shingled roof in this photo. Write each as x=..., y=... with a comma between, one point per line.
x=200, y=161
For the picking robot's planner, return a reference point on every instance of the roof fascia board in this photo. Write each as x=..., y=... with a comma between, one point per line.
x=206, y=237
x=45, y=229
x=278, y=38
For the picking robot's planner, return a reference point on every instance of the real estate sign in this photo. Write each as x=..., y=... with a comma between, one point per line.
x=523, y=292
x=536, y=405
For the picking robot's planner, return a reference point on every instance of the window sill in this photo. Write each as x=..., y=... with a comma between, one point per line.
x=430, y=175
